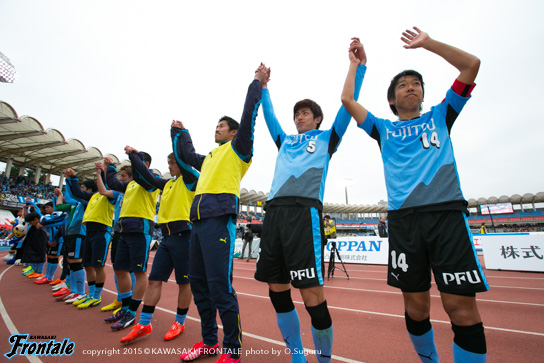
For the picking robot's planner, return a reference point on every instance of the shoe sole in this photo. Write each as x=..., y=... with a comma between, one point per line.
x=107, y=308
x=123, y=327
x=89, y=306
x=133, y=339
x=216, y=352
x=168, y=339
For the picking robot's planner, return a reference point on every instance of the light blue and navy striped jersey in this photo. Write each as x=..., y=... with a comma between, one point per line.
x=417, y=155
x=303, y=160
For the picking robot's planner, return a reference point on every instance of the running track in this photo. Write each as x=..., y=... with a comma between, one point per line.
x=367, y=316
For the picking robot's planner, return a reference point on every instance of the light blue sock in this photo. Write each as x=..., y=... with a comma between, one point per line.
x=425, y=347
x=145, y=318
x=48, y=271
x=289, y=325
x=97, y=292
x=464, y=356
x=40, y=267
x=323, y=344
x=73, y=288
x=181, y=318
x=79, y=279
x=117, y=286
x=91, y=289
x=133, y=279
x=52, y=269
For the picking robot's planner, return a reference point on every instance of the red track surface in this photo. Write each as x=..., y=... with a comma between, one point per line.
x=367, y=316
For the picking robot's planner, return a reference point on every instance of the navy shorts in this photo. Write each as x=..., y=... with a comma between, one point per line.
x=291, y=249
x=74, y=245
x=437, y=240
x=172, y=254
x=114, y=243
x=132, y=252
x=97, y=244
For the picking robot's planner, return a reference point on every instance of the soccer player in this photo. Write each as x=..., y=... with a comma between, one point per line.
x=75, y=236
x=428, y=226
x=98, y=219
x=36, y=243
x=136, y=221
x=125, y=175
x=173, y=252
x=292, y=238
x=52, y=246
x=213, y=214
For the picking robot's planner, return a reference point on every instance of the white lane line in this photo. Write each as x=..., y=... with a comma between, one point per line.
x=9, y=323
x=398, y=293
x=251, y=335
x=400, y=316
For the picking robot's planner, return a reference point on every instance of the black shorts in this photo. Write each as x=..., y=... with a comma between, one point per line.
x=291, y=247
x=97, y=244
x=437, y=240
x=74, y=245
x=53, y=251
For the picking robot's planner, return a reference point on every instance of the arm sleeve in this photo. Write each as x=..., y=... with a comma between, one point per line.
x=189, y=174
x=138, y=173
x=143, y=176
x=36, y=209
x=187, y=150
x=112, y=182
x=243, y=141
x=69, y=197
x=271, y=121
x=75, y=190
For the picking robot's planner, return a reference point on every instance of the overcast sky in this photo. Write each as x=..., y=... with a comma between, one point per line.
x=115, y=73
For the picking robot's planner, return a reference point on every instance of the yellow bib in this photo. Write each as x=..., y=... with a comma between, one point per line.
x=138, y=202
x=222, y=171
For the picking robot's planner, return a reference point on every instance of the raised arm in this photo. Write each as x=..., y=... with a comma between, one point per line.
x=467, y=64
x=272, y=123
x=357, y=57
x=243, y=141
x=72, y=183
x=189, y=174
x=111, y=178
x=184, y=144
x=141, y=174
x=100, y=185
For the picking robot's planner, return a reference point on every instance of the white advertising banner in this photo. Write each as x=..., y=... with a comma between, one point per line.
x=368, y=249
x=518, y=252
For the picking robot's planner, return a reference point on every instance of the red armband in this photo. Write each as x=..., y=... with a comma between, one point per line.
x=462, y=89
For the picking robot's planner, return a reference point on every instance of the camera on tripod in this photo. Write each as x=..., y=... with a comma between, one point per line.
x=332, y=262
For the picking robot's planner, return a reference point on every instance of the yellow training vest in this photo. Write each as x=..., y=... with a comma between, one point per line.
x=176, y=202
x=222, y=171
x=99, y=210
x=138, y=202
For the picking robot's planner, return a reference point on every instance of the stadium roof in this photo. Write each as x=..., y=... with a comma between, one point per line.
x=31, y=146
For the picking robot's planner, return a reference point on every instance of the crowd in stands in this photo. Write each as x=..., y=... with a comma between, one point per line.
x=250, y=216
x=4, y=232
x=24, y=187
